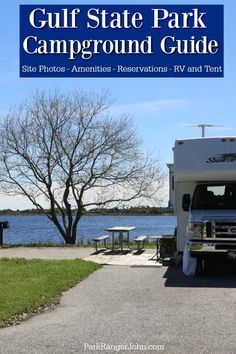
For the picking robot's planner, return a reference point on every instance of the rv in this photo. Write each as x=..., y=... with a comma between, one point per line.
x=203, y=194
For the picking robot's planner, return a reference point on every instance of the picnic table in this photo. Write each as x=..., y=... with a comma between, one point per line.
x=121, y=233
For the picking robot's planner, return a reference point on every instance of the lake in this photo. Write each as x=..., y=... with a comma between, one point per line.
x=38, y=229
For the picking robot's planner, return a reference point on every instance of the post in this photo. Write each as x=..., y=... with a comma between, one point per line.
x=203, y=131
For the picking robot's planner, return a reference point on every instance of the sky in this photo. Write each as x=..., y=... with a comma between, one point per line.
x=162, y=108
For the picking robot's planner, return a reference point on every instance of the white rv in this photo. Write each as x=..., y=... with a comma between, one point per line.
x=203, y=186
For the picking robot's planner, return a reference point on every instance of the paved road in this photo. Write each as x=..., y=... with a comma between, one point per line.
x=119, y=305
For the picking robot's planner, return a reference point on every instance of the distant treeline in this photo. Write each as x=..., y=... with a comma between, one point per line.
x=141, y=210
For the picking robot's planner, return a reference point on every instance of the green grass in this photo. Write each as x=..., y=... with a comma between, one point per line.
x=26, y=285
x=82, y=244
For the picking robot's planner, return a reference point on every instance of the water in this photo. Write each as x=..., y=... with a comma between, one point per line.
x=39, y=229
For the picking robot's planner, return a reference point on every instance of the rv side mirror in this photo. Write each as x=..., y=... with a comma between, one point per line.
x=186, y=202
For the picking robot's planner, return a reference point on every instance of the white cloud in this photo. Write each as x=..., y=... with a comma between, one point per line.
x=150, y=106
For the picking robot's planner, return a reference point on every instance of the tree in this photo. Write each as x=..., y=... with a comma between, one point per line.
x=66, y=154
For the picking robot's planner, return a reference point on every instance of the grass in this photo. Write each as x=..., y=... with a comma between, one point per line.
x=83, y=244
x=27, y=285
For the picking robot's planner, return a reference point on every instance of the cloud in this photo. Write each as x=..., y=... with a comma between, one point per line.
x=150, y=106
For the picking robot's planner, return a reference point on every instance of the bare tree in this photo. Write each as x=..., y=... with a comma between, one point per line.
x=65, y=154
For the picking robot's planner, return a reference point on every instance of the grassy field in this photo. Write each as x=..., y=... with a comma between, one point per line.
x=26, y=285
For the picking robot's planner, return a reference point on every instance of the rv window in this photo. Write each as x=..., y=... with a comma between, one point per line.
x=215, y=196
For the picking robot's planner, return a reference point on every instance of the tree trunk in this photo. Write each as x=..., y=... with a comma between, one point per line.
x=71, y=241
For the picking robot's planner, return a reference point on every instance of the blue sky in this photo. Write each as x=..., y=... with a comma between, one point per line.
x=162, y=108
